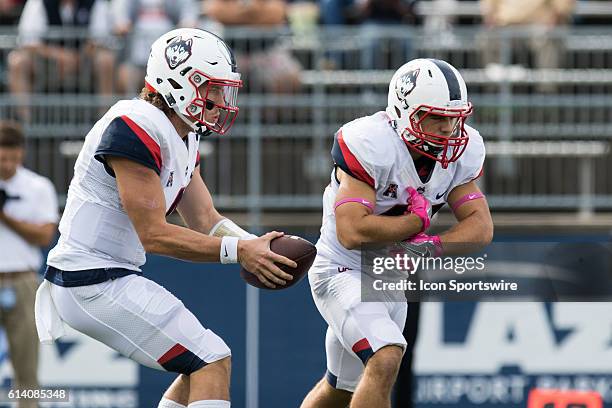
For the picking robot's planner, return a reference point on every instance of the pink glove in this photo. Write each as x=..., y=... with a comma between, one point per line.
x=423, y=245
x=419, y=206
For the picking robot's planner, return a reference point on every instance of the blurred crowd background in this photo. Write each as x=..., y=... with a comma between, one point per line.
x=536, y=72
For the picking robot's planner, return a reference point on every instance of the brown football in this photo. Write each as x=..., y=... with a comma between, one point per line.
x=293, y=247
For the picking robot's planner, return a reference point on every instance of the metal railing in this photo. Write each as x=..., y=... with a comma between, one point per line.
x=277, y=156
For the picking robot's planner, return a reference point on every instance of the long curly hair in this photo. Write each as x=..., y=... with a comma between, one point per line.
x=155, y=99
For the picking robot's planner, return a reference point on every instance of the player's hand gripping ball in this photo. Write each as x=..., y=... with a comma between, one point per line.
x=290, y=246
x=419, y=206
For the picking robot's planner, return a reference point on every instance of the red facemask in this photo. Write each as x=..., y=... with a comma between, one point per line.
x=442, y=148
x=217, y=100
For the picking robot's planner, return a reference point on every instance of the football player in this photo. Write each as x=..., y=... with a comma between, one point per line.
x=389, y=169
x=139, y=163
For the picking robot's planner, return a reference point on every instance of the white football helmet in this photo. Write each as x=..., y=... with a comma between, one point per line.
x=195, y=71
x=424, y=87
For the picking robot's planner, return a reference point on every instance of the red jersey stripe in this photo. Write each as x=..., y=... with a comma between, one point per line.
x=352, y=162
x=175, y=351
x=361, y=345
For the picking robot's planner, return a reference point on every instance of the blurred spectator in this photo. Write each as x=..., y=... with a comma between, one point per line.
x=63, y=56
x=269, y=67
x=258, y=13
x=335, y=12
x=141, y=22
x=375, y=14
x=372, y=16
x=10, y=10
x=303, y=19
x=542, y=19
x=384, y=11
x=28, y=218
x=341, y=12
x=438, y=26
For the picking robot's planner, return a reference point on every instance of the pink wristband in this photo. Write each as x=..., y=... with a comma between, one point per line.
x=465, y=199
x=361, y=201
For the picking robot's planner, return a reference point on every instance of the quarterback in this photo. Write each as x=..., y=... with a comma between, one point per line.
x=392, y=170
x=139, y=163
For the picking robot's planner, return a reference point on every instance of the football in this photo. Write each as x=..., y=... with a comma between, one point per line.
x=293, y=247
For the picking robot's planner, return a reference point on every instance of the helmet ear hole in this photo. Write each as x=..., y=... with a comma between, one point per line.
x=398, y=112
x=174, y=84
x=185, y=70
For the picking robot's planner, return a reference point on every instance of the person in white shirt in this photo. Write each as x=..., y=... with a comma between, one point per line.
x=54, y=61
x=139, y=23
x=28, y=221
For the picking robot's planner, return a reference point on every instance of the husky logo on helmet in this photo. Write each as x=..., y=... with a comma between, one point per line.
x=178, y=51
x=405, y=85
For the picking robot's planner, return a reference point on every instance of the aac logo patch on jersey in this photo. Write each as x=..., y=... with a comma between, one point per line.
x=391, y=191
x=178, y=51
x=405, y=85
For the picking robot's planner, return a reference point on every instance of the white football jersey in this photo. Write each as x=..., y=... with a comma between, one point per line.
x=95, y=229
x=370, y=150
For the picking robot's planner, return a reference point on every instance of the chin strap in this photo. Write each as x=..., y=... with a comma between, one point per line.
x=203, y=131
x=184, y=119
x=198, y=128
x=432, y=149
